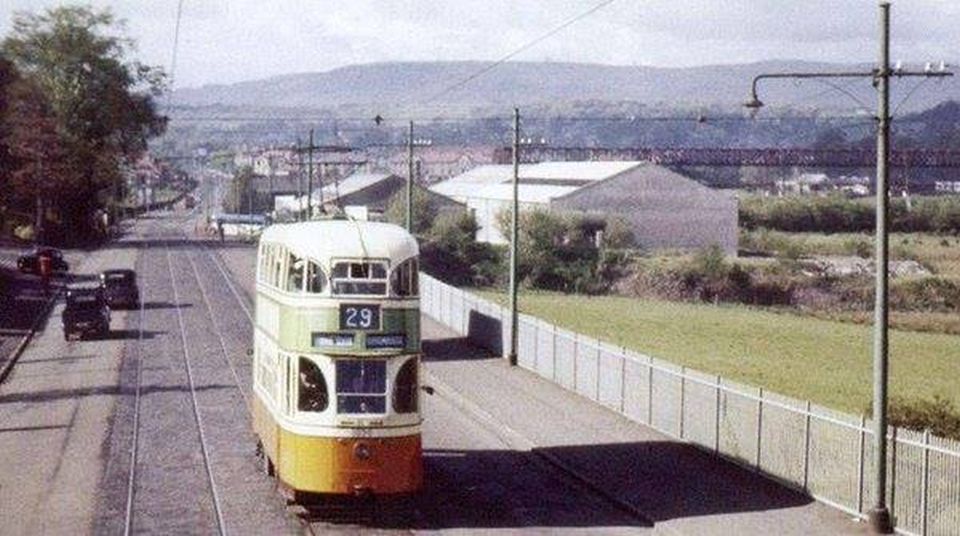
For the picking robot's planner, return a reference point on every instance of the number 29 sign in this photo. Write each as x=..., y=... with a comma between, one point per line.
x=359, y=316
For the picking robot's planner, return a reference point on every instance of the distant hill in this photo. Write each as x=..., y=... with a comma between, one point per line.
x=383, y=86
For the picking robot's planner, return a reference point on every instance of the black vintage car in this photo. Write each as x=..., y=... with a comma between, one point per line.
x=120, y=288
x=29, y=263
x=86, y=313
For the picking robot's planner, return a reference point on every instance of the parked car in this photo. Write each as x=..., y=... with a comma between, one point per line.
x=86, y=313
x=120, y=288
x=29, y=263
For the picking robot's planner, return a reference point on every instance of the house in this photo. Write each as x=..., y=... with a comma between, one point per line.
x=665, y=209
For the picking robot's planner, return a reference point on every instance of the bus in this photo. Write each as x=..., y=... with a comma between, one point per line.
x=336, y=359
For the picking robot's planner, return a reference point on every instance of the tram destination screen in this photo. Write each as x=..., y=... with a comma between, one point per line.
x=359, y=316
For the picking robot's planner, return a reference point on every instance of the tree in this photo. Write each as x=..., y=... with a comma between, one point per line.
x=101, y=105
x=424, y=210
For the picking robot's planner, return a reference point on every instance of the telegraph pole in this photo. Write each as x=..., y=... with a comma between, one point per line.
x=310, y=178
x=409, y=213
x=878, y=516
x=514, y=234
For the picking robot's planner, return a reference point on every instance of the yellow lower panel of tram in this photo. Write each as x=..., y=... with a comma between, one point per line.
x=350, y=465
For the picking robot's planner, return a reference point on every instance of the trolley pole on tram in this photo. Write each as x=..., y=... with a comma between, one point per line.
x=878, y=516
x=409, y=213
x=514, y=234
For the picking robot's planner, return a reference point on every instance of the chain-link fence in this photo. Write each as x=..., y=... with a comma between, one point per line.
x=824, y=453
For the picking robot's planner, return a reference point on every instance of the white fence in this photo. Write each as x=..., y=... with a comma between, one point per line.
x=822, y=452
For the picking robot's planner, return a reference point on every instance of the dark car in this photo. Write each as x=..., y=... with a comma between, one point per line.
x=29, y=263
x=86, y=313
x=120, y=288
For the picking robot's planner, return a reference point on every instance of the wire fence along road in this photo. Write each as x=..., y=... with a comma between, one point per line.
x=824, y=453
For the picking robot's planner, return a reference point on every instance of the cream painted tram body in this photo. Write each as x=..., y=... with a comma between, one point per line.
x=336, y=357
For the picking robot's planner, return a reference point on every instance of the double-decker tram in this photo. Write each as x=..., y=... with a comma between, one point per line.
x=336, y=358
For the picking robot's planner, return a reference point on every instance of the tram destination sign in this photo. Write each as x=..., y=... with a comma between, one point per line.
x=359, y=316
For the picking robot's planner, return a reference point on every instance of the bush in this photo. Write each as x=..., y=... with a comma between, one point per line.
x=939, y=415
x=450, y=251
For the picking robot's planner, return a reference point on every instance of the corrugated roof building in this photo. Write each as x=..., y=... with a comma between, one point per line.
x=665, y=209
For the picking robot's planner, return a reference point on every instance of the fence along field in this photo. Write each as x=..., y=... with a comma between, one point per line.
x=822, y=452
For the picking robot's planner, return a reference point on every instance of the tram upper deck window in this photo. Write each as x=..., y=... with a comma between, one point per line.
x=295, y=267
x=359, y=278
x=316, y=279
x=312, y=395
x=403, y=279
x=361, y=386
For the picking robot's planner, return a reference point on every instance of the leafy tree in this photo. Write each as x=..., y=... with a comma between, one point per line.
x=424, y=210
x=100, y=105
x=450, y=251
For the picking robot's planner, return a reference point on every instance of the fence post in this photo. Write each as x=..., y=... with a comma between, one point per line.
x=893, y=475
x=806, y=448
x=536, y=346
x=716, y=419
x=576, y=352
x=649, y=391
x=623, y=379
x=860, y=441
x=553, y=343
x=924, y=482
x=599, y=356
x=759, y=426
x=683, y=385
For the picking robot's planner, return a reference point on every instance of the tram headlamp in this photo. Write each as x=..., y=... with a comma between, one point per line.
x=362, y=451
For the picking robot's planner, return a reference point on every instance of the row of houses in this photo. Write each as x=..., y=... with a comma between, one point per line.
x=664, y=209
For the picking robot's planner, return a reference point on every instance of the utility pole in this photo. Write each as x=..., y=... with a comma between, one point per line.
x=409, y=213
x=514, y=234
x=310, y=178
x=878, y=516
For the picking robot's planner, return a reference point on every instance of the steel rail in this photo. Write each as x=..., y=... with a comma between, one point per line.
x=221, y=526
x=135, y=441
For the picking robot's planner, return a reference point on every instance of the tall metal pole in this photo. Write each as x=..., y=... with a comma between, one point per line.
x=514, y=234
x=310, y=178
x=879, y=515
x=409, y=213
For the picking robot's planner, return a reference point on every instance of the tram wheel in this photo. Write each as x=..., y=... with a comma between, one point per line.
x=266, y=465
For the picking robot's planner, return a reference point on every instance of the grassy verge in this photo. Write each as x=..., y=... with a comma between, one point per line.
x=825, y=361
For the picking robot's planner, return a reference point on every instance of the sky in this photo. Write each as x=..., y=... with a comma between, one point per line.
x=225, y=41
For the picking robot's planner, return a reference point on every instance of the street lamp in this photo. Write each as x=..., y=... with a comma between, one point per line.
x=879, y=515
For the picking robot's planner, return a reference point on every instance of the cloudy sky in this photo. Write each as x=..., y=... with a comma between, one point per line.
x=225, y=41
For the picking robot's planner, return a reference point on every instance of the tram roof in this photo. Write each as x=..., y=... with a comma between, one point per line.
x=323, y=240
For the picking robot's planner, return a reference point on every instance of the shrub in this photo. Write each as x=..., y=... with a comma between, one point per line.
x=939, y=415
x=451, y=252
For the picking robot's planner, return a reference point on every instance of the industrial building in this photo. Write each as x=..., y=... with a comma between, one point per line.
x=665, y=209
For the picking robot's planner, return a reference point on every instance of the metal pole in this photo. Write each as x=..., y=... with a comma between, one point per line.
x=879, y=515
x=409, y=212
x=310, y=178
x=514, y=223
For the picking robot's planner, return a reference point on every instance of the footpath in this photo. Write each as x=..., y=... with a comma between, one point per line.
x=678, y=487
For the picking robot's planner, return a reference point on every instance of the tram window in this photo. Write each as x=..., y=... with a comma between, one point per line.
x=361, y=386
x=316, y=279
x=295, y=267
x=405, y=388
x=312, y=395
x=403, y=280
x=359, y=278
x=277, y=271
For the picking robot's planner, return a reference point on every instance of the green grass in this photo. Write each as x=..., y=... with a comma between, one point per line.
x=824, y=361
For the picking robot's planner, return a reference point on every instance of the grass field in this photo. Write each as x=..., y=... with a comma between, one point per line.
x=824, y=361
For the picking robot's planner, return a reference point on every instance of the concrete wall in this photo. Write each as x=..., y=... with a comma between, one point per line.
x=666, y=209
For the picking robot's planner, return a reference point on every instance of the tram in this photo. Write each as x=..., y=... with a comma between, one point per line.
x=336, y=358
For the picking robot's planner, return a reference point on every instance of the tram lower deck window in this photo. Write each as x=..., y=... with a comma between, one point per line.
x=312, y=394
x=361, y=386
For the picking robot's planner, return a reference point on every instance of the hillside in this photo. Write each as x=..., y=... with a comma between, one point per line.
x=385, y=85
